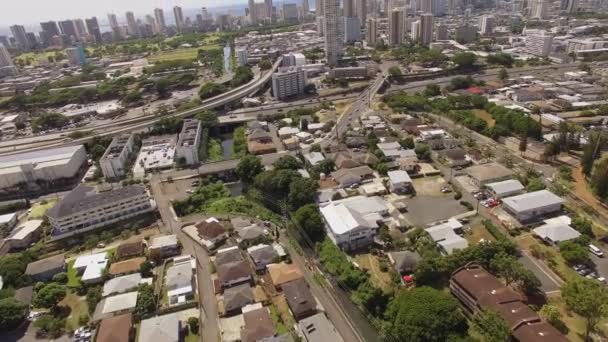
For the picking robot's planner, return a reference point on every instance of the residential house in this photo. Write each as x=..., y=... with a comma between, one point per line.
x=258, y=325
x=45, y=269
x=251, y=234
x=115, y=305
x=164, y=246
x=260, y=142
x=345, y=161
x=24, y=235
x=129, y=250
x=126, y=266
x=262, y=255
x=123, y=284
x=8, y=221
x=237, y=297
x=446, y=237
x=352, y=223
x=507, y=188
x=457, y=157
x=314, y=158
x=180, y=280
x=165, y=328
x=233, y=273
x=394, y=151
x=91, y=267
x=299, y=298
x=404, y=262
x=478, y=290
x=533, y=205
x=410, y=165
x=287, y=132
x=318, y=328
x=228, y=255
x=116, y=329
x=400, y=182
x=283, y=273
x=211, y=232
x=304, y=137
x=488, y=173
x=352, y=176
x=556, y=230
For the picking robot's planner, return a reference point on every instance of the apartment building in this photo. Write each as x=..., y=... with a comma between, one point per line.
x=538, y=43
x=288, y=81
x=85, y=209
x=113, y=163
x=189, y=142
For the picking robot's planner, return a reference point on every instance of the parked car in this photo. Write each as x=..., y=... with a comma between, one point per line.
x=596, y=251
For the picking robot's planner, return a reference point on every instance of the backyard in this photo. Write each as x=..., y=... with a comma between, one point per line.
x=373, y=265
x=78, y=307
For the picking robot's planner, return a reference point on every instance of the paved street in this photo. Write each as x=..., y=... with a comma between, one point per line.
x=206, y=293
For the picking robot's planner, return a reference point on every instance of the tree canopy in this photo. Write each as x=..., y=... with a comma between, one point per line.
x=248, y=168
x=491, y=326
x=12, y=313
x=210, y=89
x=588, y=298
x=309, y=220
x=464, y=60
x=49, y=296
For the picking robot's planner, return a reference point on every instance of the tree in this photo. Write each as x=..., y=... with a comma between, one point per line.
x=592, y=151
x=491, y=326
x=93, y=297
x=12, y=313
x=308, y=219
x=48, y=121
x=432, y=90
x=423, y=152
x=395, y=71
x=423, y=314
x=242, y=75
x=512, y=271
x=588, y=298
x=407, y=143
x=464, y=60
x=315, y=148
x=146, y=303
x=287, y=162
x=49, y=296
x=60, y=277
x=207, y=118
x=382, y=169
x=193, y=323
x=583, y=225
x=535, y=184
x=265, y=64
x=210, y=89
x=326, y=166
x=574, y=253
x=49, y=325
x=503, y=74
x=249, y=167
x=146, y=269
x=599, y=178
x=301, y=192
x=162, y=87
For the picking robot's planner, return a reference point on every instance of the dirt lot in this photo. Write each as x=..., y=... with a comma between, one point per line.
x=429, y=186
x=423, y=210
x=477, y=232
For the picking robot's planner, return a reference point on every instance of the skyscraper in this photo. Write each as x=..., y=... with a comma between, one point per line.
x=113, y=21
x=268, y=4
x=333, y=31
x=305, y=7
x=132, y=24
x=486, y=24
x=319, y=12
x=49, y=30
x=253, y=15
x=396, y=26
x=426, y=28
x=371, y=33
x=5, y=57
x=160, y=20
x=539, y=9
x=569, y=6
x=179, y=18
x=349, y=8
x=362, y=11
x=93, y=28
x=81, y=30
x=68, y=28
x=20, y=36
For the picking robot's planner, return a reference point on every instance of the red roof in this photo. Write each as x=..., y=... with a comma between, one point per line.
x=408, y=278
x=475, y=90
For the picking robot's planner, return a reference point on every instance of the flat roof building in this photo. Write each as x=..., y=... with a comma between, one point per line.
x=533, y=205
x=505, y=188
x=288, y=81
x=319, y=328
x=113, y=163
x=189, y=142
x=488, y=173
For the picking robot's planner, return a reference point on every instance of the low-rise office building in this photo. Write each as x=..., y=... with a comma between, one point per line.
x=189, y=142
x=533, y=205
x=488, y=173
x=114, y=161
x=84, y=209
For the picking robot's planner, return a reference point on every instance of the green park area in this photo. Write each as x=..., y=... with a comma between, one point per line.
x=40, y=209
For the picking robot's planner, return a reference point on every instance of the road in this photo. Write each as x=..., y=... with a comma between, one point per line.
x=209, y=313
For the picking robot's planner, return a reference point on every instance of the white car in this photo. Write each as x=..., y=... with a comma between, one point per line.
x=33, y=315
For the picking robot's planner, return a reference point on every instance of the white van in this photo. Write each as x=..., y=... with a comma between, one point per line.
x=598, y=252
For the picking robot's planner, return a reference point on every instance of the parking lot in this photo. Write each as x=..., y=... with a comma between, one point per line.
x=423, y=210
x=430, y=186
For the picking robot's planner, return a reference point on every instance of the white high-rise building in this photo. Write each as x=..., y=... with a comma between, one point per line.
x=486, y=24
x=427, y=23
x=242, y=56
x=132, y=24
x=179, y=18
x=538, y=43
x=288, y=81
x=159, y=15
x=396, y=26
x=371, y=33
x=5, y=57
x=415, y=31
x=189, y=141
x=333, y=31
x=320, y=25
x=114, y=161
x=539, y=9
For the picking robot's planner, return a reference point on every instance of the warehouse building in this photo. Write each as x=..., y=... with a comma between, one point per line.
x=39, y=170
x=488, y=173
x=114, y=161
x=533, y=205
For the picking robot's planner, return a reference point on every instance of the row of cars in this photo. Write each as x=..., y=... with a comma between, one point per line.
x=484, y=200
x=587, y=272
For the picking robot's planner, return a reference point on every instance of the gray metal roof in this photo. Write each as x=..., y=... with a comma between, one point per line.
x=319, y=328
x=160, y=329
x=507, y=186
x=532, y=200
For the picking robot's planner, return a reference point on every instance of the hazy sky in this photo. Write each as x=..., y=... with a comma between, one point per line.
x=34, y=11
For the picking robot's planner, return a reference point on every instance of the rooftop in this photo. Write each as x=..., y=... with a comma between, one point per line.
x=509, y=185
x=41, y=266
x=126, y=266
x=84, y=198
x=160, y=329
x=258, y=325
x=189, y=133
x=532, y=200
x=319, y=328
x=163, y=241
x=24, y=230
x=115, y=329
x=121, y=284
x=298, y=296
x=489, y=171
x=283, y=273
x=60, y=154
x=119, y=302
x=93, y=264
x=117, y=146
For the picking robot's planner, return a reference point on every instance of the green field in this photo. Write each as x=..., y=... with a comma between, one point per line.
x=180, y=54
x=39, y=210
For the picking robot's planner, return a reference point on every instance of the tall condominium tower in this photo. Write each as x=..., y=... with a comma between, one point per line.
x=333, y=31
x=68, y=28
x=5, y=57
x=132, y=24
x=319, y=10
x=49, y=30
x=371, y=32
x=426, y=28
x=20, y=36
x=305, y=7
x=113, y=21
x=93, y=28
x=179, y=18
x=159, y=15
x=396, y=26
x=253, y=15
x=362, y=10
x=81, y=30
x=268, y=6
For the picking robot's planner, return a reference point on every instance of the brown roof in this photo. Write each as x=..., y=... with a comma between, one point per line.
x=24, y=294
x=233, y=271
x=210, y=230
x=283, y=273
x=127, y=266
x=483, y=286
x=344, y=161
x=456, y=153
x=299, y=298
x=258, y=325
x=538, y=332
x=130, y=249
x=115, y=329
x=515, y=313
x=228, y=256
x=44, y=265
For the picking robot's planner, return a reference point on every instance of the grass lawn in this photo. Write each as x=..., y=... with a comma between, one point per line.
x=371, y=263
x=485, y=116
x=39, y=210
x=477, y=232
x=191, y=337
x=78, y=307
x=278, y=322
x=549, y=255
x=73, y=277
x=178, y=54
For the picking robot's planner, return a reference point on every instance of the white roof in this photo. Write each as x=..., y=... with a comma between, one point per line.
x=288, y=130
x=121, y=284
x=362, y=204
x=90, y=259
x=6, y=218
x=40, y=159
x=532, y=200
x=95, y=264
x=314, y=158
x=25, y=229
x=120, y=302
x=342, y=219
x=160, y=329
x=445, y=230
x=454, y=243
x=164, y=241
x=557, y=229
x=399, y=176
x=506, y=186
